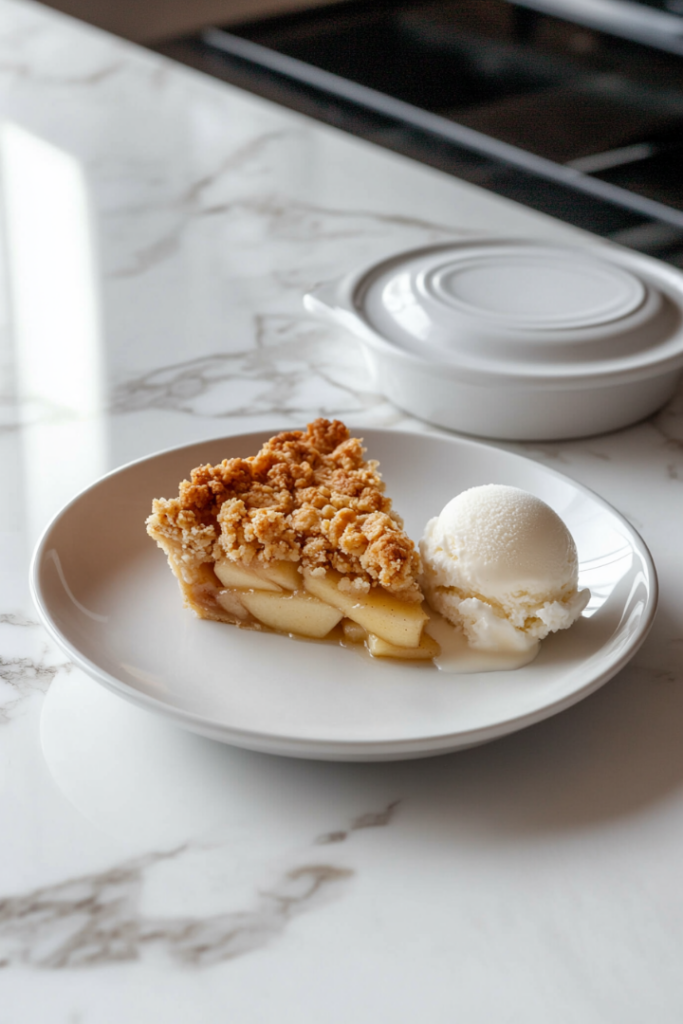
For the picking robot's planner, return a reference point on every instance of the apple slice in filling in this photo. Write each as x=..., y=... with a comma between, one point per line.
x=293, y=612
x=398, y=622
x=274, y=596
x=427, y=649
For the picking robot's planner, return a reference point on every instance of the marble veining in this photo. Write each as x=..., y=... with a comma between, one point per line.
x=17, y=619
x=24, y=70
x=372, y=819
x=305, y=237
x=96, y=919
x=295, y=368
x=28, y=663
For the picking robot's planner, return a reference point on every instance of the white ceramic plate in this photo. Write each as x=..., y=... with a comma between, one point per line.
x=106, y=594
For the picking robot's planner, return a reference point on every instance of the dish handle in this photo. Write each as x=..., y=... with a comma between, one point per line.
x=331, y=302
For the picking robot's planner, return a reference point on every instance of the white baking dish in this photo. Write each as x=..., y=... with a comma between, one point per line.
x=516, y=340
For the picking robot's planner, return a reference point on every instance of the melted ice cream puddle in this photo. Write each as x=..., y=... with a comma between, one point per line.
x=458, y=657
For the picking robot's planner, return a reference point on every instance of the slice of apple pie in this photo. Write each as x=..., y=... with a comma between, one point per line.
x=300, y=539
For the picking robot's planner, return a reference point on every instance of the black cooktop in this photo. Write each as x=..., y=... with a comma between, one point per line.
x=572, y=107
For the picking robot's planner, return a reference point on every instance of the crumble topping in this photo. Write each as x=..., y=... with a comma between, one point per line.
x=307, y=497
x=355, y=586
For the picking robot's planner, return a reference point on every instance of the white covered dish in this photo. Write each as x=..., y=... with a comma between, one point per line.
x=517, y=340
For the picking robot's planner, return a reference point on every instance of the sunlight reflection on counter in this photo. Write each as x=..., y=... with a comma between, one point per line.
x=55, y=321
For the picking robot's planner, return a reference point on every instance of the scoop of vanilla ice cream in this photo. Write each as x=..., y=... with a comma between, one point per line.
x=501, y=564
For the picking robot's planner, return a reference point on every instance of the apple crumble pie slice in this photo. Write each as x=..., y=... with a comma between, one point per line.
x=298, y=538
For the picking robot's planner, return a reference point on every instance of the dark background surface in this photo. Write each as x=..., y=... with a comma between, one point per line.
x=581, y=121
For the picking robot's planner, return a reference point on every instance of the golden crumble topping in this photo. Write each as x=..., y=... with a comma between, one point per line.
x=307, y=497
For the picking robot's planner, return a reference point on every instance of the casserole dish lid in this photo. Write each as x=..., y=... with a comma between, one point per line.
x=497, y=311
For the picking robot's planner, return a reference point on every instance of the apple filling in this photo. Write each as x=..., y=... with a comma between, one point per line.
x=307, y=604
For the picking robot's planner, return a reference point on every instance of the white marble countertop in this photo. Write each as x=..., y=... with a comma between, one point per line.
x=158, y=231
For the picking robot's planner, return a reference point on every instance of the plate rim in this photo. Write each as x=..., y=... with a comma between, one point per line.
x=365, y=750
